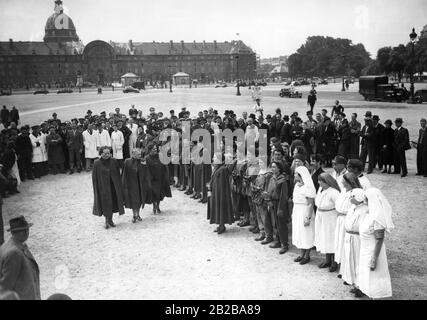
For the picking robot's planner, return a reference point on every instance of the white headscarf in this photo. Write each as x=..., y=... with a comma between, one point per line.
x=358, y=194
x=380, y=208
x=308, y=189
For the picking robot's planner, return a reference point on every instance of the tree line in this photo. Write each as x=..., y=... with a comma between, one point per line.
x=326, y=56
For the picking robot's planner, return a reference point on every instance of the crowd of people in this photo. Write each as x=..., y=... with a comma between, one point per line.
x=337, y=213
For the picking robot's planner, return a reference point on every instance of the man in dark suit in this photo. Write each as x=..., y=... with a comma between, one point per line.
x=421, y=150
x=75, y=147
x=19, y=271
x=14, y=115
x=401, y=144
x=368, y=145
x=285, y=132
x=24, y=151
x=4, y=115
x=378, y=143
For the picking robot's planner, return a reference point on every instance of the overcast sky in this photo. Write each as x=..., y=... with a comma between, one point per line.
x=270, y=27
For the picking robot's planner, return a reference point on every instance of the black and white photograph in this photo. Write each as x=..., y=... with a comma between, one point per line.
x=230, y=151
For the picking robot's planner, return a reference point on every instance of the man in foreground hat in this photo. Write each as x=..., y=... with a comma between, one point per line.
x=19, y=271
x=401, y=144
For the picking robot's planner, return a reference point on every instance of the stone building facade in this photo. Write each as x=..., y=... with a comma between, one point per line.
x=62, y=58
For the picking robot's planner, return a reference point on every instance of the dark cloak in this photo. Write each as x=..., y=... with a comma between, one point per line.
x=220, y=208
x=160, y=186
x=136, y=180
x=107, y=188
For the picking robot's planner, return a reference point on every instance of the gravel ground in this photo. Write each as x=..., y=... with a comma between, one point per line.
x=175, y=255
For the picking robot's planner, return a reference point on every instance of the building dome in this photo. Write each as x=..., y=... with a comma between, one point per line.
x=59, y=26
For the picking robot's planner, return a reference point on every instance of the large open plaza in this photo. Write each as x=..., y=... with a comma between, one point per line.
x=175, y=255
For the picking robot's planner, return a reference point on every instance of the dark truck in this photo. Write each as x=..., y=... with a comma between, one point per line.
x=377, y=88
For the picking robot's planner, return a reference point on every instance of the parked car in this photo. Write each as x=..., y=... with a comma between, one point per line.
x=130, y=90
x=41, y=91
x=295, y=83
x=286, y=92
x=66, y=90
x=421, y=96
x=5, y=92
x=140, y=85
x=221, y=85
x=287, y=83
x=324, y=81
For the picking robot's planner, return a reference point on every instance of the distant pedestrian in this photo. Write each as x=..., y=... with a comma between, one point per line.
x=19, y=271
x=311, y=99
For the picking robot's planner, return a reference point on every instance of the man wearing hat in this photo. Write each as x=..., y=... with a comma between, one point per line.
x=19, y=271
x=368, y=114
x=75, y=147
x=286, y=131
x=24, y=151
x=368, y=144
x=378, y=143
x=401, y=144
x=183, y=111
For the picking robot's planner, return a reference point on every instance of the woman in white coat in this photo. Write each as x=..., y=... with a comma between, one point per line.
x=38, y=151
x=374, y=276
x=326, y=219
x=90, y=141
x=303, y=214
x=117, y=142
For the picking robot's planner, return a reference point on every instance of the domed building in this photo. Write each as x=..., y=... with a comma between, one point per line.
x=61, y=60
x=59, y=26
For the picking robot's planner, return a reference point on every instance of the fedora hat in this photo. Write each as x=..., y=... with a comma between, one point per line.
x=18, y=224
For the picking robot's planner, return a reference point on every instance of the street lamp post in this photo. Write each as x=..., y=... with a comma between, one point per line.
x=170, y=80
x=413, y=36
x=238, y=80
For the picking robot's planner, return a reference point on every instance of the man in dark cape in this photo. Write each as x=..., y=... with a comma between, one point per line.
x=220, y=208
x=107, y=188
x=136, y=180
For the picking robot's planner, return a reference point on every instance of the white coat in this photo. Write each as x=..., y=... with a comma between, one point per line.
x=90, y=143
x=117, y=142
x=103, y=139
x=38, y=151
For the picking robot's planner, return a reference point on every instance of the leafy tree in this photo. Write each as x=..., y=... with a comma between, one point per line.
x=325, y=56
